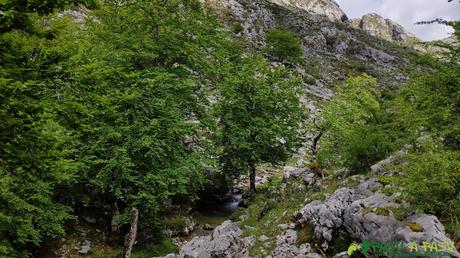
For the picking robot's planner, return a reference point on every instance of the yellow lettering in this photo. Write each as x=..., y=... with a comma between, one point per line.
x=413, y=247
x=442, y=246
x=426, y=246
x=434, y=247
x=450, y=246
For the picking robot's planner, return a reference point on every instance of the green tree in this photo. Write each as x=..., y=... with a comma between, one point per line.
x=284, y=45
x=118, y=105
x=37, y=153
x=426, y=114
x=140, y=81
x=20, y=15
x=431, y=179
x=430, y=101
x=353, y=133
x=259, y=116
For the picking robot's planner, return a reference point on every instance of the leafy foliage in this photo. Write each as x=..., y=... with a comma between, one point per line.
x=19, y=15
x=431, y=103
x=284, y=45
x=140, y=86
x=259, y=116
x=430, y=179
x=354, y=135
x=115, y=107
x=37, y=153
x=429, y=108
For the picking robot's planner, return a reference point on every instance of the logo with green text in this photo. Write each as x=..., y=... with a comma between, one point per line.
x=433, y=249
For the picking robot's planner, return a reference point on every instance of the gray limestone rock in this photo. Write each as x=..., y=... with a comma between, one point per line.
x=366, y=214
x=327, y=8
x=327, y=216
x=85, y=247
x=225, y=241
x=341, y=255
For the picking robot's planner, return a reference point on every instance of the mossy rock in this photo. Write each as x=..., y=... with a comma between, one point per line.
x=314, y=165
x=379, y=211
x=382, y=211
x=414, y=227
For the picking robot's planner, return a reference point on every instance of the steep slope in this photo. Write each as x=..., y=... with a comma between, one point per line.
x=332, y=49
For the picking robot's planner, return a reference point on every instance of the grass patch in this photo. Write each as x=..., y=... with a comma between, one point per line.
x=163, y=247
x=176, y=222
x=305, y=234
x=453, y=229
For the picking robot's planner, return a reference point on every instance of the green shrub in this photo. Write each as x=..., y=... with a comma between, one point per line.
x=354, y=135
x=284, y=45
x=237, y=28
x=310, y=81
x=431, y=182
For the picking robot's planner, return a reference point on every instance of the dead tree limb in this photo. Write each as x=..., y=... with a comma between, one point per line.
x=131, y=239
x=314, y=147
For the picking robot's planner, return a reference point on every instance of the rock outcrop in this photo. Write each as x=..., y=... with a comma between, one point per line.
x=375, y=25
x=327, y=8
x=366, y=214
x=286, y=247
x=225, y=241
x=328, y=44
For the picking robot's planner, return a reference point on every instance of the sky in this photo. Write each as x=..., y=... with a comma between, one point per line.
x=407, y=13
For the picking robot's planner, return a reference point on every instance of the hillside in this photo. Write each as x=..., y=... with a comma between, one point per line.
x=225, y=128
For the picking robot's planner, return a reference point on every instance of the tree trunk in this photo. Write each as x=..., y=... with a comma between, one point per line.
x=314, y=151
x=314, y=146
x=114, y=223
x=252, y=177
x=131, y=239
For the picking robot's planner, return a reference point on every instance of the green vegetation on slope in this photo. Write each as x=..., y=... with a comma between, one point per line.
x=150, y=103
x=283, y=45
x=115, y=112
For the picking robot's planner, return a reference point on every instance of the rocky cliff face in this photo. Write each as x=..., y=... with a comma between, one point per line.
x=375, y=25
x=332, y=49
x=307, y=16
x=327, y=8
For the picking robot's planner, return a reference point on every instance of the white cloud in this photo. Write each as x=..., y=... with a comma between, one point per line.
x=407, y=13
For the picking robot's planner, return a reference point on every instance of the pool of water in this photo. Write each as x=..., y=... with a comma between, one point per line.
x=213, y=215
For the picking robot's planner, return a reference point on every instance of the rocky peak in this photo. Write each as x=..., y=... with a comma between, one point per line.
x=328, y=8
x=375, y=25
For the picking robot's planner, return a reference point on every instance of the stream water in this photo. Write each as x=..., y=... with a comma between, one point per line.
x=232, y=203
x=212, y=215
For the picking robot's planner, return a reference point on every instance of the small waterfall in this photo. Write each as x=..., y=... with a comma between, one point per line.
x=232, y=203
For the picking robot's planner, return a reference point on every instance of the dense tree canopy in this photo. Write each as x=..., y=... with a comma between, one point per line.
x=354, y=136
x=115, y=110
x=260, y=115
x=148, y=104
x=284, y=45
